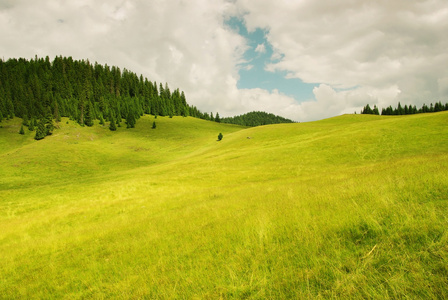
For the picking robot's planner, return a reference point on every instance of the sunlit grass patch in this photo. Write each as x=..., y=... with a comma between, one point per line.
x=349, y=207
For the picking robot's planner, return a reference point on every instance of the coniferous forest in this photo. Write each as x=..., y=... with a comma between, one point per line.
x=406, y=110
x=256, y=118
x=41, y=91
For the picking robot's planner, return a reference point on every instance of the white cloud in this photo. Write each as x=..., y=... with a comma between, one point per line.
x=261, y=48
x=378, y=46
x=359, y=51
x=184, y=43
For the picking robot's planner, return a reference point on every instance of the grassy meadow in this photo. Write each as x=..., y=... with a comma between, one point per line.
x=354, y=206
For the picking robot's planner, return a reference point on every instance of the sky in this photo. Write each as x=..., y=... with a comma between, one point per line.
x=302, y=59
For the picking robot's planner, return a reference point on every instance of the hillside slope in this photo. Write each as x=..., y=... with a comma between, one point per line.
x=352, y=206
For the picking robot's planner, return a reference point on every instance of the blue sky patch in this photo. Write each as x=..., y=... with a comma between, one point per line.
x=252, y=72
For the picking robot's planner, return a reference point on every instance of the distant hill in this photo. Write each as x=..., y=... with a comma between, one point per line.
x=256, y=118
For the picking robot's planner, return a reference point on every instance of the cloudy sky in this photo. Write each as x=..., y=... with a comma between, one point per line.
x=302, y=59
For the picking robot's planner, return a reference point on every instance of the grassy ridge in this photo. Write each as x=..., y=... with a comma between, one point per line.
x=353, y=206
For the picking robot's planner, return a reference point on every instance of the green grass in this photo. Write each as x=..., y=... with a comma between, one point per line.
x=348, y=207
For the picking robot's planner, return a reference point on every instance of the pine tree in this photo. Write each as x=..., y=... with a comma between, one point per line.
x=49, y=126
x=101, y=120
x=220, y=136
x=154, y=125
x=21, y=130
x=400, y=110
x=25, y=120
x=57, y=116
x=112, y=125
x=40, y=131
x=88, y=120
x=31, y=127
x=130, y=119
x=367, y=110
x=185, y=111
x=217, y=118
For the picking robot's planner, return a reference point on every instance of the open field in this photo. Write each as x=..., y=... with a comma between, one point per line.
x=353, y=207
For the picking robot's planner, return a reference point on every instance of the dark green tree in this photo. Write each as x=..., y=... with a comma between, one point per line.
x=88, y=119
x=40, y=131
x=57, y=115
x=112, y=125
x=367, y=110
x=21, y=131
x=25, y=120
x=101, y=120
x=154, y=125
x=49, y=126
x=31, y=127
x=130, y=119
x=400, y=110
x=220, y=136
x=217, y=118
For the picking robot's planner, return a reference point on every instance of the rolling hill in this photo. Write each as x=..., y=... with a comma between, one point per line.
x=354, y=206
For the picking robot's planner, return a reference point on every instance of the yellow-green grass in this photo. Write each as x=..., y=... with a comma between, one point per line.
x=352, y=207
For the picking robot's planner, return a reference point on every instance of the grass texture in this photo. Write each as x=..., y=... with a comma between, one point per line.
x=354, y=206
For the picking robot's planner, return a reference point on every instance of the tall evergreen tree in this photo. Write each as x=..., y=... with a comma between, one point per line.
x=367, y=110
x=49, y=126
x=31, y=127
x=101, y=120
x=88, y=119
x=25, y=120
x=57, y=116
x=130, y=117
x=21, y=131
x=40, y=131
x=112, y=125
x=400, y=110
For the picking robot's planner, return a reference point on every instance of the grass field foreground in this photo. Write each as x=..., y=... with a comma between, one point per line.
x=352, y=207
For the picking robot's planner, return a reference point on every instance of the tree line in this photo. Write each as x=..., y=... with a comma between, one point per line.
x=256, y=118
x=41, y=91
x=405, y=110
